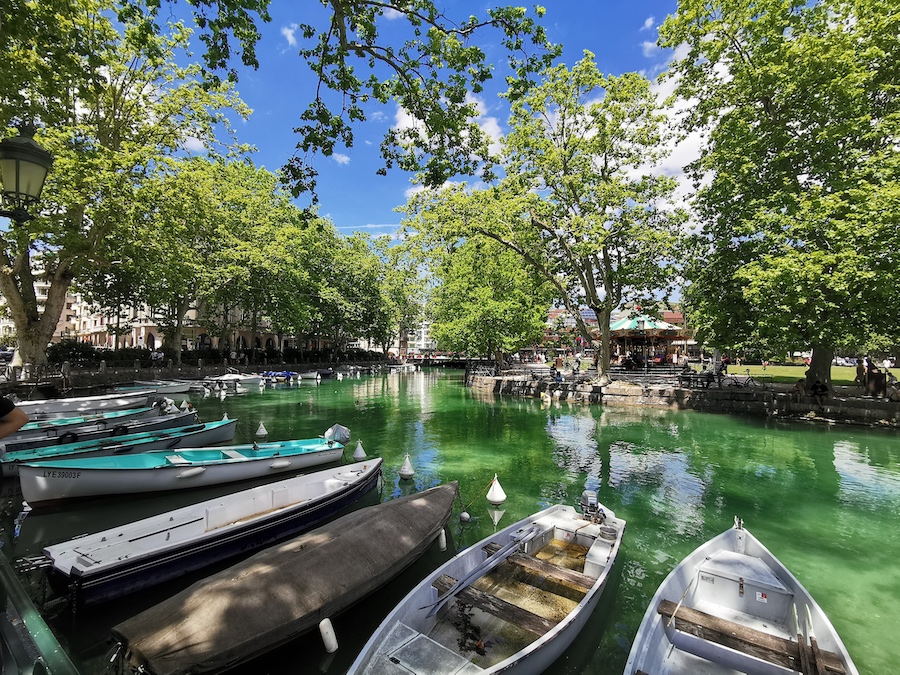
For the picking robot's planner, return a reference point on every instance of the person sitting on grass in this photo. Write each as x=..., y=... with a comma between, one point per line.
x=819, y=392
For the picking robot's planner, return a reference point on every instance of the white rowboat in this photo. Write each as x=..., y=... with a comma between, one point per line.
x=163, y=470
x=511, y=603
x=732, y=607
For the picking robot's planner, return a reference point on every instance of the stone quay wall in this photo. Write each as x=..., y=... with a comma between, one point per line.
x=744, y=401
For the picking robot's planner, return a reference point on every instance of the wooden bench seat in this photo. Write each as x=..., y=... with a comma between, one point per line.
x=561, y=575
x=740, y=638
x=534, y=624
x=176, y=459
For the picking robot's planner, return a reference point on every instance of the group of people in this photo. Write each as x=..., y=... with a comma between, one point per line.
x=818, y=390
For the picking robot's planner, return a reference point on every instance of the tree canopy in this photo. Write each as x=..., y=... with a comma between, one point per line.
x=797, y=183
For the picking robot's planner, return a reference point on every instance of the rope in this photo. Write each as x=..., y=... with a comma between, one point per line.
x=466, y=507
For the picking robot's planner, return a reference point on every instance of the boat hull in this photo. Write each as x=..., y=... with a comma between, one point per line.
x=737, y=580
x=98, y=430
x=62, y=407
x=107, y=564
x=191, y=436
x=48, y=482
x=56, y=427
x=285, y=590
x=409, y=640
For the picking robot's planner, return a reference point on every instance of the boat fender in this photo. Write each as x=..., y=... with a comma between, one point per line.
x=326, y=630
x=280, y=464
x=190, y=473
x=120, y=430
x=442, y=540
x=68, y=437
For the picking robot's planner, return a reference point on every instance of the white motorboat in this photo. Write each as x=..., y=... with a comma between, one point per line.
x=732, y=607
x=511, y=603
x=67, y=407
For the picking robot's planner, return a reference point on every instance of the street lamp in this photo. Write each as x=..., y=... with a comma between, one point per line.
x=23, y=168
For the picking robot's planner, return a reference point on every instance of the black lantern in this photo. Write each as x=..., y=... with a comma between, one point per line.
x=23, y=168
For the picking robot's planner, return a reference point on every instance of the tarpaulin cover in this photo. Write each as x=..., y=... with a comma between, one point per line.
x=286, y=590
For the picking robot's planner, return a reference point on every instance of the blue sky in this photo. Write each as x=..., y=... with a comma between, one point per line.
x=621, y=35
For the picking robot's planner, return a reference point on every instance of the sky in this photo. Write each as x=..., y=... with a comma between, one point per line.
x=621, y=35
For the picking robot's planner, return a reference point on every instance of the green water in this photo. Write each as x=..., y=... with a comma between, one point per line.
x=824, y=499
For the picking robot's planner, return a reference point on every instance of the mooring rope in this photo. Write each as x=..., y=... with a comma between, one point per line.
x=466, y=507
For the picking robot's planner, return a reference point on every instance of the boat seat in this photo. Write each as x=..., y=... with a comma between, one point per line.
x=569, y=579
x=409, y=652
x=176, y=459
x=233, y=454
x=735, y=645
x=486, y=602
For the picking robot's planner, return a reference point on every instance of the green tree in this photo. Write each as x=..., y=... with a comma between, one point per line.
x=113, y=104
x=798, y=201
x=486, y=300
x=580, y=203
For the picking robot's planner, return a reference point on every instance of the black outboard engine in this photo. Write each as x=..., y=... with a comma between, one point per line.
x=590, y=507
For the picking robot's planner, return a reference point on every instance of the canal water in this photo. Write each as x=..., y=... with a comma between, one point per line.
x=824, y=499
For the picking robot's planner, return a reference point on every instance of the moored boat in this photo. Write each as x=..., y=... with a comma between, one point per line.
x=164, y=387
x=91, y=431
x=284, y=590
x=511, y=603
x=189, y=436
x=161, y=470
x=733, y=607
x=124, y=559
x=231, y=380
x=58, y=426
x=66, y=407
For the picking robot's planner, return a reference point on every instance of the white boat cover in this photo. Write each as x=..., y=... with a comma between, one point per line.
x=338, y=433
x=284, y=591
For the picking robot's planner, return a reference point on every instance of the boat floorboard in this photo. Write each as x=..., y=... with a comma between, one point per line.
x=537, y=625
x=743, y=638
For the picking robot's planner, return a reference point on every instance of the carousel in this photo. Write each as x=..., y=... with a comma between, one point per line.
x=642, y=340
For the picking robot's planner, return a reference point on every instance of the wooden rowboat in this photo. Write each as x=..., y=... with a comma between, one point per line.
x=285, y=590
x=732, y=607
x=162, y=470
x=511, y=603
x=188, y=436
x=120, y=560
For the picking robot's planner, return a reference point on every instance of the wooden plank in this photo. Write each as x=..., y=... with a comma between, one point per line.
x=534, y=624
x=561, y=575
x=818, y=656
x=743, y=638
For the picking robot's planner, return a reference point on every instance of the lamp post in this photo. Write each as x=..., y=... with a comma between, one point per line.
x=23, y=168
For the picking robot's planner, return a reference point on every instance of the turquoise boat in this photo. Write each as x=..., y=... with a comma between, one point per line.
x=191, y=436
x=163, y=470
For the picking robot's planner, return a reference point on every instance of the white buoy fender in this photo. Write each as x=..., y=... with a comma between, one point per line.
x=496, y=495
x=442, y=540
x=224, y=417
x=280, y=464
x=261, y=430
x=326, y=630
x=190, y=473
x=184, y=404
x=465, y=517
x=406, y=471
x=359, y=454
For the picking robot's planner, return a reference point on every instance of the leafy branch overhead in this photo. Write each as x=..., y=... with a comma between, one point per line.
x=432, y=75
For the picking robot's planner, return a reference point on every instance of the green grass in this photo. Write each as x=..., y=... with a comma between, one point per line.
x=840, y=375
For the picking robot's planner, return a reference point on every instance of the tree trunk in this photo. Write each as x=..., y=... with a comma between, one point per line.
x=820, y=365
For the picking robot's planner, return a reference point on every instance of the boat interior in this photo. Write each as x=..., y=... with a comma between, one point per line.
x=507, y=609
x=738, y=615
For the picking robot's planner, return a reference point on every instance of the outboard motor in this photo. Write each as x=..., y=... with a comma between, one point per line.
x=590, y=507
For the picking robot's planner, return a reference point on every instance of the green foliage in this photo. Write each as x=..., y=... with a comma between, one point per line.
x=798, y=202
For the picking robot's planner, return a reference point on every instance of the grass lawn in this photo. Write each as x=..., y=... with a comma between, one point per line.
x=840, y=375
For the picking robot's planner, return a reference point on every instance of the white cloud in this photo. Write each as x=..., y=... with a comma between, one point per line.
x=193, y=144
x=648, y=24
x=649, y=48
x=341, y=158
x=390, y=14
x=288, y=33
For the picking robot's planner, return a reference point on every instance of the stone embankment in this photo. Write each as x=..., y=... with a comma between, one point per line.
x=769, y=401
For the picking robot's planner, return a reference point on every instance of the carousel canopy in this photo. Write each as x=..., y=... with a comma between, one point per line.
x=643, y=325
